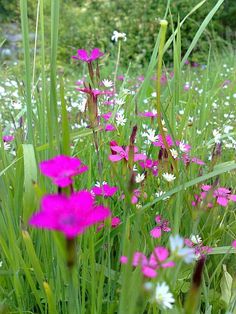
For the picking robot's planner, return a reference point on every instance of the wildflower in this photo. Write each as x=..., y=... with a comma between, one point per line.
x=84, y=55
x=150, y=134
x=160, y=142
x=70, y=215
x=116, y=36
x=120, y=119
x=234, y=244
x=163, y=296
x=119, y=153
x=196, y=239
x=149, y=114
x=107, y=83
x=162, y=225
x=150, y=164
x=115, y=222
x=109, y=128
x=177, y=247
x=8, y=138
x=139, y=178
x=160, y=193
x=61, y=169
x=105, y=190
x=169, y=177
x=174, y=153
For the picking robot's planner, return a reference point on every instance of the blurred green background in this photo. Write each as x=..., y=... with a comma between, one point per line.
x=90, y=23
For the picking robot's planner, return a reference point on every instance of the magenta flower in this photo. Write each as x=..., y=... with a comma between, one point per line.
x=61, y=169
x=148, y=114
x=149, y=267
x=109, y=128
x=160, y=142
x=162, y=225
x=119, y=153
x=234, y=244
x=115, y=222
x=84, y=55
x=69, y=215
x=150, y=164
x=222, y=196
x=8, y=138
x=106, y=116
x=105, y=190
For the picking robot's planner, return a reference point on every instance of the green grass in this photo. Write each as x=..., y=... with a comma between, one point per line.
x=34, y=276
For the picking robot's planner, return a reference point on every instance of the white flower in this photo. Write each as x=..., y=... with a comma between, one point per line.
x=181, y=112
x=182, y=147
x=98, y=184
x=174, y=153
x=177, y=247
x=120, y=119
x=163, y=296
x=116, y=36
x=217, y=136
x=107, y=83
x=160, y=193
x=168, y=177
x=16, y=105
x=139, y=178
x=196, y=239
x=119, y=101
x=154, y=94
x=150, y=134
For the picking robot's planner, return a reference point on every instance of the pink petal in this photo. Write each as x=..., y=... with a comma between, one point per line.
x=223, y=201
x=233, y=197
x=156, y=232
x=149, y=272
x=115, y=158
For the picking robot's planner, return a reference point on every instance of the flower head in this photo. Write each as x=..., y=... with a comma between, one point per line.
x=163, y=296
x=116, y=36
x=70, y=215
x=162, y=225
x=61, y=169
x=84, y=55
x=105, y=190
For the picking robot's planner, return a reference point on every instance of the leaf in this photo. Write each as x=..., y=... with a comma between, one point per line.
x=226, y=286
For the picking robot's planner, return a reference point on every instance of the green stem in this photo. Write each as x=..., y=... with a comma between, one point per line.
x=163, y=24
x=117, y=63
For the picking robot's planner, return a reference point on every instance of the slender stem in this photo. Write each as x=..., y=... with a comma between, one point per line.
x=117, y=64
x=163, y=24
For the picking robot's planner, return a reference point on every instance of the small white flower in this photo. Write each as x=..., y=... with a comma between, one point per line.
x=217, y=136
x=151, y=137
x=181, y=112
x=154, y=94
x=119, y=101
x=98, y=184
x=195, y=238
x=107, y=83
x=120, y=119
x=174, y=153
x=16, y=105
x=160, y=193
x=168, y=177
x=116, y=36
x=139, y=178
x=163, y=296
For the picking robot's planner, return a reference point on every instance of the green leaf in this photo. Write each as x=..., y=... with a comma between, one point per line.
x=226, y=286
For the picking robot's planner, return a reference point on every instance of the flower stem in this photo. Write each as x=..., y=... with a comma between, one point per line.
x=163, y=24
x=117, y=64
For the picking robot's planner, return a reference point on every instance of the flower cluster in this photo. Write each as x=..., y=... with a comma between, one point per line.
x=72, y=214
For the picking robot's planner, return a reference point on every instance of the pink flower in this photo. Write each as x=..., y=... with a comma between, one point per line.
x=162, y=225
x=234, y=244
x=148, y=114
x=150, y=164
x=8, y=138
x=115, y=222
x=84, y=55
x=107, y=115
x=160, y=142
x=150, y=266
x=109, y=128
x=119, y=153
x=104, y=190
x=69, y=215
x=61, y=169
x=223, y=196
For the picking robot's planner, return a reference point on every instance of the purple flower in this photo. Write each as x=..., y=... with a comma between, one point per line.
x=61, y=169
x=69, y=215
x=8, y=138
x=162, y=225
x=84, y=55
x=104, y=190
x=119, y=153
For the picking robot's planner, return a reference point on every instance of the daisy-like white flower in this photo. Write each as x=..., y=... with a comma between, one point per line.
x=139, y=178
x=107, y=83
x=182, y=147
x=120, y=119
x=116, y=36
x=196, y=239
x=163, y=296
x=150, y=134
x=160, y=193
x=169, y=177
